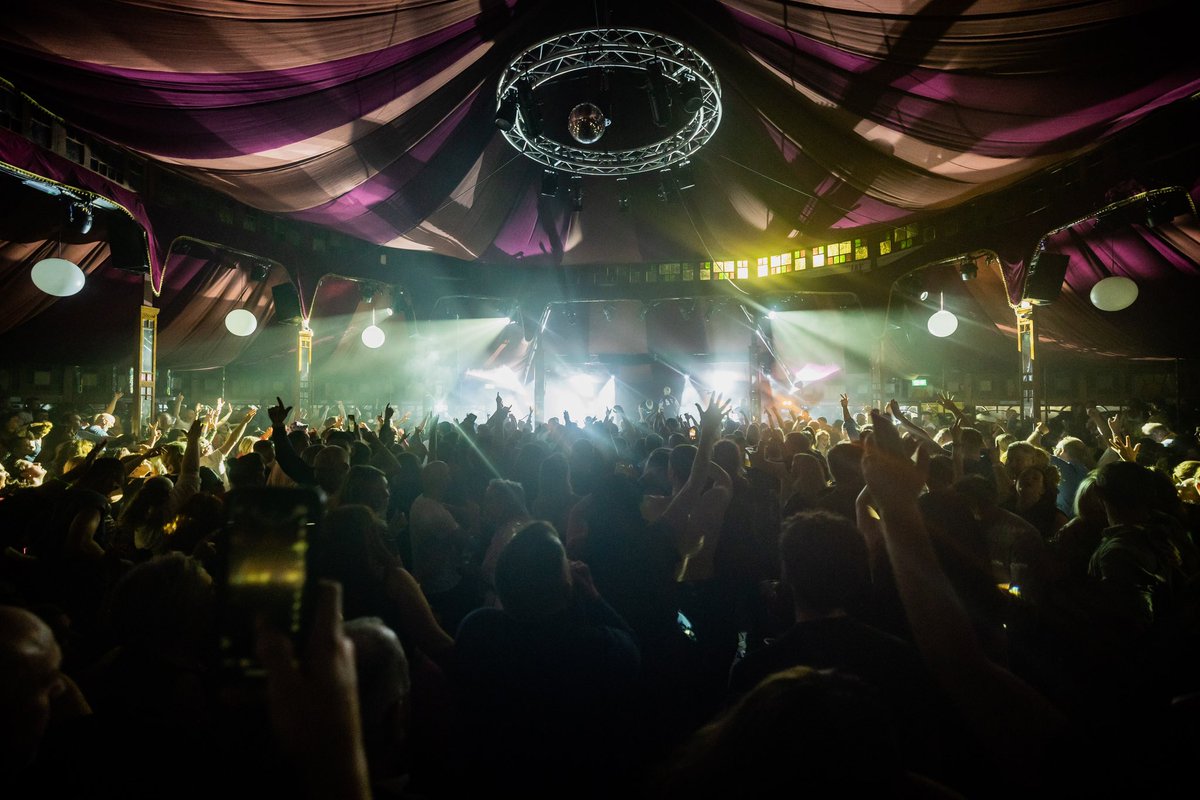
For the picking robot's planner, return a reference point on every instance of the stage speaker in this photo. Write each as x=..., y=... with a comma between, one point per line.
x=287, y=304
x=1045, y=278
x=127, y=247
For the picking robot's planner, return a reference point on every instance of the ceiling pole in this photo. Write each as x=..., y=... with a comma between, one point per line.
x=145, y=360
x=303, y=393
x=1031, y=388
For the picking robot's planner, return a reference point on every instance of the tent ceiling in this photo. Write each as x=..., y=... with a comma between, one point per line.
x=375, y=119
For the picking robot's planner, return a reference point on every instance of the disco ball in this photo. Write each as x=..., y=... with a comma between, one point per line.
x=586, y=123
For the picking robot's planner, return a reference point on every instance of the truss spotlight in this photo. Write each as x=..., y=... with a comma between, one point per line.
x=968, y=271
x=684, y=177
x=506, y=112
x=576, y=192
x=664, y=186
x=259, y=271
x=622, y=194
x=549, y=183
x=660, y=99
x=79, y=217
x=531, y=112
x=689, y=94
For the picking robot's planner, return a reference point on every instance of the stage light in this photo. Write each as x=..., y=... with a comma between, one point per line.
x=57, y=276
x=725, y=382
x=531, y=112
x=506, y=112
x=690, y=96
x=79, y=217
x=968, y=271
x=259, y=271
x=684, y=177
x=622, y=194
x=660, y=99
x=549, y=183
x=772, y=314
x=576, y=193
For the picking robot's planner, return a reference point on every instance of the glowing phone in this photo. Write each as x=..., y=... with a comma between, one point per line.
x=261, y=570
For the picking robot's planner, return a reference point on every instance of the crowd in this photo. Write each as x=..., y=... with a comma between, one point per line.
x=658, y=605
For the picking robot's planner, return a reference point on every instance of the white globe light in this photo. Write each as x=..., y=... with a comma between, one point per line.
x=240, y=322
x=372, y=336
x=57, y=276
x=1114, y=293
x=942, y=323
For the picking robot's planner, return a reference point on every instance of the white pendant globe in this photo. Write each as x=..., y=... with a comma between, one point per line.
x=1114, y=293
x=240, y=322
x=372, y=336
x=942, y=323
x=57, y=276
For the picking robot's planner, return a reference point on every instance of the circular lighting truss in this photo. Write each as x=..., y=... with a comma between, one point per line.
x=610, y=48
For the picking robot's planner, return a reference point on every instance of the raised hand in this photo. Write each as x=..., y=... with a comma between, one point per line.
x=713, y=415
x=947, y=401
x=888, y=468
x=894, y=409
x=279, y=413
x=251, y=412
x=845, y=401
x=1125, y=449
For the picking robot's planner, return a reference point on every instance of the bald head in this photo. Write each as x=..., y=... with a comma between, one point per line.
x=435, y=478
x=330, y=466
x=29, y=680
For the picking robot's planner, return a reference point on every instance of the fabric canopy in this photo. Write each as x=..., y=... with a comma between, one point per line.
x=376, y=120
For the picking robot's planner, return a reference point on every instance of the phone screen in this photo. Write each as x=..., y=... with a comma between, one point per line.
x=262, y=573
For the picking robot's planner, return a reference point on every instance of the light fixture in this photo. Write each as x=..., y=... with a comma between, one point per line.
x=259, y=271
x=79, y=217
x=690, y=96
x=372, y=335
x=576, y=193
x=942, y=323
x=586, y=123
x=684, y=177
x=241, y=322
x=609, y=311
x=968, y=270
x=530, y=111
x=549, y=183
x=656, y=90
x=662, y=65
x=506, y=112
x=57, y=276
x=622, y=194
x=1113, y=292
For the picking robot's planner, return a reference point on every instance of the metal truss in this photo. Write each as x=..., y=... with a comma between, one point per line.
x=613, y=48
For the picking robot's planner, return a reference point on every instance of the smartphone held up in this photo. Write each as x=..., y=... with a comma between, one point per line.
x=261, y=572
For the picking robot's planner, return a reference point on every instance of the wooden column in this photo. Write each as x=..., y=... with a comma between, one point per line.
x=1031, y=378
x=145, y=361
